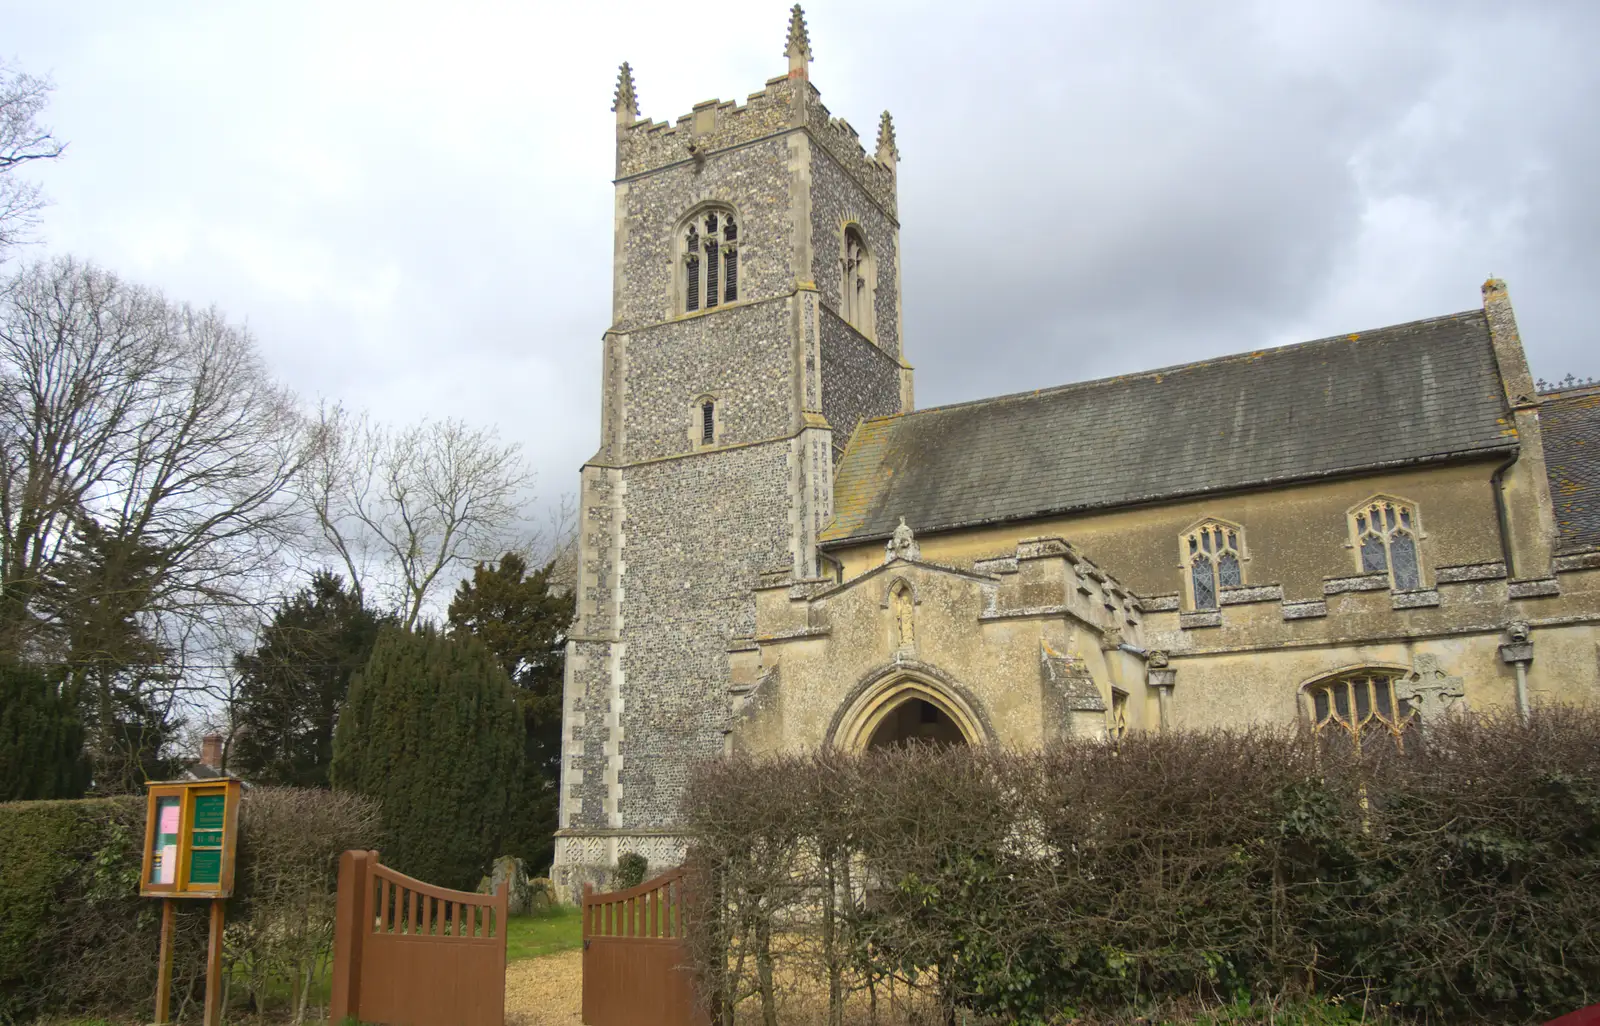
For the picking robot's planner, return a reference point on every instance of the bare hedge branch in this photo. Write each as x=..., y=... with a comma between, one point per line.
x=1458, y=880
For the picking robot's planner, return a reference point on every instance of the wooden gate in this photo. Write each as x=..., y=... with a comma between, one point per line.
x=406, y=953
x=635, y=964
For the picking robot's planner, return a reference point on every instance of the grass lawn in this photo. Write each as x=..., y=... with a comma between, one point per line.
x=560, y=929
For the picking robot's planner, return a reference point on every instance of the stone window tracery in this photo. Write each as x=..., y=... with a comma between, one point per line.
x=709, y=258
x=857, y=282
x=1361, y=703
x=1212, y=555
x=1384, y=532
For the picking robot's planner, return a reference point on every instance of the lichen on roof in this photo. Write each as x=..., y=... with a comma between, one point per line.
x=1411, y=393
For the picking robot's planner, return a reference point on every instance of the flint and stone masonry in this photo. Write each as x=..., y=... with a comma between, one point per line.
x=675, y=534
x=779, y=554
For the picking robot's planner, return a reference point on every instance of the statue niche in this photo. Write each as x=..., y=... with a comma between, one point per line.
x=902, y=607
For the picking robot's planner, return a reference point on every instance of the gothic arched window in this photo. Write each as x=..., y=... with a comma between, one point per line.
x=1212, y=554
x=1360, y=703
x=1384, y=532
x=857, y=281
x=709, y=254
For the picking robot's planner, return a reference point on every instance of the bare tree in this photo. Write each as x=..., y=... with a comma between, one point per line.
x=22, y=139
x=146, y=461
x=402, y=508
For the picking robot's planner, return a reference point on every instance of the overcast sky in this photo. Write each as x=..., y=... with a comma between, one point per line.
x=410, y=203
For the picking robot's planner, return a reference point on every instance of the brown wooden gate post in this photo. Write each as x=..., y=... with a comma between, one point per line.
x=351, y=922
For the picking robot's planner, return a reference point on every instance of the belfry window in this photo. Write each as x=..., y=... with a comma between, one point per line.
x=708, y=422
x=1213, y=554
x=1385, y=532
x=710, y=257
x=856, y=282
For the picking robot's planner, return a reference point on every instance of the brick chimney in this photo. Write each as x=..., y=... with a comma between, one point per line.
x=211, y=751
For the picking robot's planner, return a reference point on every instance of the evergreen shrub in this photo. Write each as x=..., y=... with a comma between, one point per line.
x=631, y=870
x=41, y=735
x=432, y=730
x=1456, y=881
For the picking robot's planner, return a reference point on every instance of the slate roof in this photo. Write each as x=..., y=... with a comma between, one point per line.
x=1411, y=393
x=1571, y=426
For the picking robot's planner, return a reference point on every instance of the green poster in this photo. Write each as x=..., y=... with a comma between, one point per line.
x=205, y=866
x=209, y=810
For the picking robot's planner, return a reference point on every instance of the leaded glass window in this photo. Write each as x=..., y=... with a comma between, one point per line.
x=1118, y=727
x=1386, y=533
x=1361, y=704
x=1213, y=554
x=710, y=252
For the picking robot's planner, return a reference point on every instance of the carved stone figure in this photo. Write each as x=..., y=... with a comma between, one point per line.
x=904, y=617
x=902, y=544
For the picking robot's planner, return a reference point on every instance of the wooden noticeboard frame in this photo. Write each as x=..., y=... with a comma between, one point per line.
x=194, y=860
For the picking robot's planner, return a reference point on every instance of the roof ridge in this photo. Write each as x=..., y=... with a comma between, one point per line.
x=1349, y=336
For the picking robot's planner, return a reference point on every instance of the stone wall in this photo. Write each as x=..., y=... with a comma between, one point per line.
x=754, y=180
x=838, y=199
x=859, y=380
x=843, y=143
x=743, y=355
x=1022, y=650
x=699, y=532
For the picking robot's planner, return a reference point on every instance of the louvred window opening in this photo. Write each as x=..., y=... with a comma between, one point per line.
x=710, y=261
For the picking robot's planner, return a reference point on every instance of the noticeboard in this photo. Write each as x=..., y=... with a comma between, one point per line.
x=190, y=838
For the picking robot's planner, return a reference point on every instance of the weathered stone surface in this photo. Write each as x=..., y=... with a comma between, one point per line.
x=1247, y=594
x=1305, y=610
x=1473, y=572
x=1363, y=582
x=1533, y=589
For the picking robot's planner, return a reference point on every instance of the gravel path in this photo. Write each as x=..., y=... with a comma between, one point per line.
x=545, y=991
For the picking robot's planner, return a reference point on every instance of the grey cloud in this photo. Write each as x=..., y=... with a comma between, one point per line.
x=411, y=205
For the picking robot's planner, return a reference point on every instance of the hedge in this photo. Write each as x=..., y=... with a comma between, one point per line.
x=76, y=936
x=1458, y=880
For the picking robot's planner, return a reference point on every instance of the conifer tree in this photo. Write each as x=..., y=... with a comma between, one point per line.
x=431, y=729
x=523, y=619
x=41, y=736
x=292, y=685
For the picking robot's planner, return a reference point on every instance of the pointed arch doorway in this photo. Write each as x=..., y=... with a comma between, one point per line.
x=916, y=721
x=900, y=708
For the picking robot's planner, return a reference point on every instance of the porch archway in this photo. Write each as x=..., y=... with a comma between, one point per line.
x=904, y=705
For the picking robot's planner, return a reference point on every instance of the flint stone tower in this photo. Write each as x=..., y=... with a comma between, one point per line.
x=755, y=322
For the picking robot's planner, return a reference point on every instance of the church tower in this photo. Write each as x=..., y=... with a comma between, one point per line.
x=755, y=321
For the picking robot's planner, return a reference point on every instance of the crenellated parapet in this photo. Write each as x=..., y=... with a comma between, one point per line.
x=647, y=145
x=715, y=125
x=787, y=103
x=843, y=143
